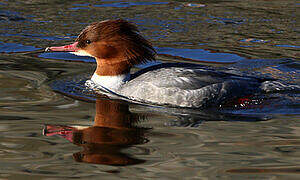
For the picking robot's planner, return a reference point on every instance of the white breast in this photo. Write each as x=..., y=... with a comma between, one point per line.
x=112, y=83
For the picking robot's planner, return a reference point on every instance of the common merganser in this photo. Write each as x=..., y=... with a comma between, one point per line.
x=117, y=46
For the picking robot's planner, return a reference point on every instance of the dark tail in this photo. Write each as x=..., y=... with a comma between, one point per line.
x=276, y=86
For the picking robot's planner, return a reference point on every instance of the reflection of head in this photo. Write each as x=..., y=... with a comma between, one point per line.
x=108, y=136
x=114, y=129
x=109, y=158
x=103, y=145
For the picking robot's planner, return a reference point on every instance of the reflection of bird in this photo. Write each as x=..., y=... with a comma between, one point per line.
x=113, y=130
x=117, y=47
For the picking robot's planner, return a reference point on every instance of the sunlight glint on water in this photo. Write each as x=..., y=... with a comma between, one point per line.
x=46, y=116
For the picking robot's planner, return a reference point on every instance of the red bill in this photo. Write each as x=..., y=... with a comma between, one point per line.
x=67, y=48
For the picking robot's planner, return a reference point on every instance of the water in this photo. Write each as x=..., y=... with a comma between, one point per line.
x=50, y=128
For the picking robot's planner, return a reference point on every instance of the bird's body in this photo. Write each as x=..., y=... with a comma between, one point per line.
x=117, y=46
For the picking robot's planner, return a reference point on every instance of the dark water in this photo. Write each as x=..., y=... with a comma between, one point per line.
x=51, y=128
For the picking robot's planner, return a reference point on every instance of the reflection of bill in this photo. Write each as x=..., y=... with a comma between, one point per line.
x=113, y=130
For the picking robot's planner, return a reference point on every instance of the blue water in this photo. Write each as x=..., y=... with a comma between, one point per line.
x=53, y=127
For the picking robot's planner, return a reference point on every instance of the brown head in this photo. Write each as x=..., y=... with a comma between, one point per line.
x=116, y=45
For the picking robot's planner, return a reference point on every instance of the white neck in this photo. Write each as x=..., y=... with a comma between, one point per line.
x=110, y=82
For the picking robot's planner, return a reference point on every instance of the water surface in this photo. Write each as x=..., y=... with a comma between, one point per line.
x=51, y=128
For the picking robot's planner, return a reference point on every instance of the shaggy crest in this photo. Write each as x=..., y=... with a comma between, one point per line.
x=123, y=34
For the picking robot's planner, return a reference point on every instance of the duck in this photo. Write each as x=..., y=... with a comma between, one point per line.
x=118, y=46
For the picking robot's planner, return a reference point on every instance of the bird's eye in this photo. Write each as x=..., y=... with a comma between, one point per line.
x=88, y=42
